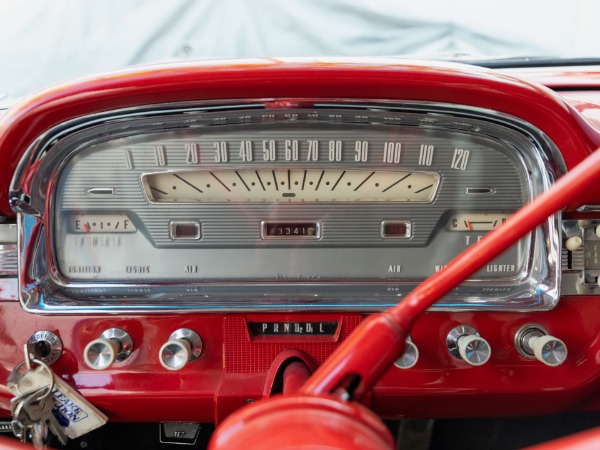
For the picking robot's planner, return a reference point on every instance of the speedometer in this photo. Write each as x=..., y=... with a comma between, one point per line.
x=291, y=185
x=326, y=207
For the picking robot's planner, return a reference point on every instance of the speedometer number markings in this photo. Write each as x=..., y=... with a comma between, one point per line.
x=361, y=149
x=246, y=151
x=269, y=150
x=335, y=151
x=460, y=159
x=191, y=154
x=426, y=155
x=313, y=151
x=160, y=157
x=392, y=152
x=291, y=150
x=221, y=155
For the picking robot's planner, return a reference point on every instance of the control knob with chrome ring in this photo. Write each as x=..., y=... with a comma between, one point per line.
x=533, y=341
x=465, y=343
x=184, y=346
x=113, y=345
x=410, y=356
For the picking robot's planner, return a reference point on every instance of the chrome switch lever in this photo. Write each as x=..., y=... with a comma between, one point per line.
x=533, y=341
x=465, y=343
x=184, y=345
x=113, y=345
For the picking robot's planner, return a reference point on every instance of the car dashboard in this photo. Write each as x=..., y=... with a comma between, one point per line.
x=173, y=236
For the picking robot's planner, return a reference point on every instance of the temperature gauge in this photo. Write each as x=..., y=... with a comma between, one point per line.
x=477, y=221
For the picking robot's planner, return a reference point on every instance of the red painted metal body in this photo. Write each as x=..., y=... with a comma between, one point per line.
x=209, y=389
x=235, y=368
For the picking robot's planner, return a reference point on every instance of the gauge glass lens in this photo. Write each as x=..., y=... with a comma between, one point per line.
x=302, y=198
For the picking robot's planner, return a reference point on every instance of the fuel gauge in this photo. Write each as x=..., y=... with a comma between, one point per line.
x=101, y=223
x=477, y=221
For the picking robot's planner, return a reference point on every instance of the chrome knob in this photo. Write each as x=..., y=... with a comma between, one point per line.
x=113, y=345
x=101, y=353
x=183, y=346
x=474, y=349
x=550, y=350
x=465, y=343
x=410, y=356
x=534, y=341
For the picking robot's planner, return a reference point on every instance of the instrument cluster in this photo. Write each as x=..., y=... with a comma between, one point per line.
x=336, y=206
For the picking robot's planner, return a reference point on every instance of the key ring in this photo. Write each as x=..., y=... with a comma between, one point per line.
x=46, y=390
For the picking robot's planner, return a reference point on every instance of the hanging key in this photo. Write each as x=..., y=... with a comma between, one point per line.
x=42, y=416
x=23, y=414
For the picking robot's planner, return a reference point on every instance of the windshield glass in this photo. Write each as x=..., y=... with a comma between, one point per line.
x=45, y=42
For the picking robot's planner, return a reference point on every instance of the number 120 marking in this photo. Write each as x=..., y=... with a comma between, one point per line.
x=460, y=159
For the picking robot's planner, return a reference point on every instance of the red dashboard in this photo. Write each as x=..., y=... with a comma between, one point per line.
x=243, y=353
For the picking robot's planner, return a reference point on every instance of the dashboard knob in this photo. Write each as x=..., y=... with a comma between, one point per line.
x=574, y=243
x=101, y=353
x=113, y=345
x=175, y=354
x=464, y=343
x=474, y=349
x=410, y=356
x=533, y=341
x=550, y=350
x=183, y=346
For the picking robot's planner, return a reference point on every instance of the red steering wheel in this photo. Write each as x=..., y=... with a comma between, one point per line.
x=322, y=414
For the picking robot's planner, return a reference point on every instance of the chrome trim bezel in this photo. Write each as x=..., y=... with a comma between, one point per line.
x=124, y=340
x=521, y=345
x=455, y=334
x=192, y=337
x=42, y=286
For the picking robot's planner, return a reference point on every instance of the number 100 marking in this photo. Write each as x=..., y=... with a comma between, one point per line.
x=392, y=152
